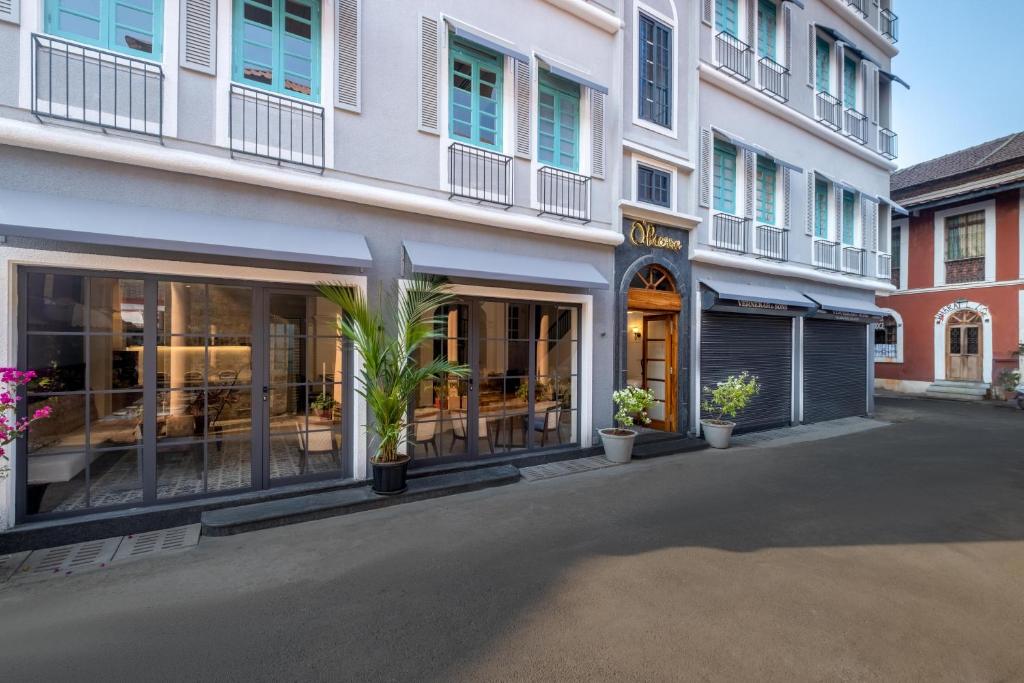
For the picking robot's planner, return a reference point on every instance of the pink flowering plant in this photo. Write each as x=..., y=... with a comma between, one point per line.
x=11, y=428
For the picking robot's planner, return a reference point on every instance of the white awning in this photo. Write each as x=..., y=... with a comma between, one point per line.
x=895, y=207
x=570, y=74
x=494, y=43
x=89, y=221
x=737, y=141
x=478, y=264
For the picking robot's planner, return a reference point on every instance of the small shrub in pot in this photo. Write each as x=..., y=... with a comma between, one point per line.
x=726, y=399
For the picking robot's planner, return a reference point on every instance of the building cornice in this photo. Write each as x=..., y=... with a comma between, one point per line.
x=648, y=212
x=146, y=155
x=710, y=74
x=586, y=11
x=955, y=191
x=957, y=287
x=873, y=35
x=718, y=258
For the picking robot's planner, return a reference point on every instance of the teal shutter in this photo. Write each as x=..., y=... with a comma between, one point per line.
x=724, y=177
x=823, y=64
x=766, y=184
x=849, y=209
x=276, y=46
x=821, y=209
x=558, y=130
x=133, y=27
x=767, y=18
x=474, y=107
x=727, y=16
x=849, y=83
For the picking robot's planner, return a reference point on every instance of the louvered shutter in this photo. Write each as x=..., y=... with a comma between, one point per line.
x=707, y=11
x=837, y=235
x=198, y=36
x=811, y=43
x=705, y=167
x=809, y=228
x=10, y=11
x=841, y=73
x=787, y=27
x=787, y=197
x=597, y=133
x=523, y=109
x=428, y=74
x=869, y=91
x=752, y=24
x=749, y=159
x=347, y=57
x=876, y=96
x=869, y=219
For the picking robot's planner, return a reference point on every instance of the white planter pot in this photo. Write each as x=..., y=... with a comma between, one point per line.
x=618, y=447
x=717, y=435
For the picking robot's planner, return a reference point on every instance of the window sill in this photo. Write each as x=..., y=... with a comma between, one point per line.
x=658, y=214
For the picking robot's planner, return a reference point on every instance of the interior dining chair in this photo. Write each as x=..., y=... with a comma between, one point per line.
x=548, y=421
x=425, y=434
x=459, y=422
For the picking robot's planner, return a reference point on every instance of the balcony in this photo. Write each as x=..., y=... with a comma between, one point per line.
x=563, y=193
x=479, y=174
x=855, y=125
x=887, y=146
x=829, y=110
x=825, y=255
x=730, y=233
x=276, y=128
x=889, y=25
x=80, y=84
x=853, y=260
x=733, y=55
x=774, y=79
x=859, y=6
x=883, y=268
x=771, y=243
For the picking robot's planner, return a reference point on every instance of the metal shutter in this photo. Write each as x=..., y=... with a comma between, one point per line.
x=835, y=369
x=762, y=345
x=429, y=35
x=347, y=92
x=198, y=37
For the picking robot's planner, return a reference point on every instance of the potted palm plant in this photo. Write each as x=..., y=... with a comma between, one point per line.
x=726, y=399
x=631, y=404
x=391, y=374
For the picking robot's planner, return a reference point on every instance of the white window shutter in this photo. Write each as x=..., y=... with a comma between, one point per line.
x=837, y=190
x=752, y=24
x=705, y=167
x=840, y=73
x=748, y=181
x=429, y=120
x=347, y=54
x=787, y=28
x=597, y=133
x=198, y=35
x=876, y=96
x=524, y=111
x=707, y=11
x=869, y=220
x=10, y=11
x=812, y=47
x=787, y=197
x=809, y=228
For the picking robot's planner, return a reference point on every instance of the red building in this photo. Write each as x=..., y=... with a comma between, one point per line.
x=957, y=317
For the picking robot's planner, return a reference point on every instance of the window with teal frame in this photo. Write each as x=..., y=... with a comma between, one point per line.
x=823, y=63
x=558, y=132
x=724, y=177
x=849, y=211
x=767, y=23
x=276, y=46
x=474, y=101
x=766, y=175
x=727, y=16
x=133, y=27
x=821, y=209
x=849, y=83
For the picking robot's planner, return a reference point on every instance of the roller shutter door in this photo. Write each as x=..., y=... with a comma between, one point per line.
x=762, y=345
x=835, y=370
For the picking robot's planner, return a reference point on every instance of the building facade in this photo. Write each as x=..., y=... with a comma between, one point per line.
x=955, y=324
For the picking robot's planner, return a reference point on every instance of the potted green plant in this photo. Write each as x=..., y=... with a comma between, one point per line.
x=387, y=338
x=726, y=399
x=631, y=406
x=323, y=405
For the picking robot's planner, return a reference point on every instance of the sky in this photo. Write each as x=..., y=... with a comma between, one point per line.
x=964, y=60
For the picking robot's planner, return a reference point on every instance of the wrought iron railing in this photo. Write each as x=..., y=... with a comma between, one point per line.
x=883, y=267
x=885, y=351
x=855, y=125
x=771, y=242
x=81, y=84
x=730, y=233
x=859, y=6
x=479, y=174
x=733, y=55
x=276, y=128
x=774, y=78
x=889, y=25
x=563, y=193
x=829, y=110
x=825, y=254
x=887, y=143
x=853, y=260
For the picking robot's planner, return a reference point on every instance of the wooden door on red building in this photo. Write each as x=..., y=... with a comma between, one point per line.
x=964, y=347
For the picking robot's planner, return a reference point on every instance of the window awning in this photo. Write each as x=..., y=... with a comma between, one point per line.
x=893, y=77
x=745, y=298
x=844, y=307
x=755, y=149
x=88, y=221
x=850, y=45
x=894, y=206
x=494, y=43
x=798, y=3
x=838, y=181
x=570, y=74
x=479, y=264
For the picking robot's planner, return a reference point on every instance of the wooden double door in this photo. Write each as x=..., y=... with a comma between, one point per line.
x=964, y=339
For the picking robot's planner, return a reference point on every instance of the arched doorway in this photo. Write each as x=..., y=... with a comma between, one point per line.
x=964, y=344
x=654, y=304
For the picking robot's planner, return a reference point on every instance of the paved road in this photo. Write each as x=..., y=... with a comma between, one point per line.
x=893, y=554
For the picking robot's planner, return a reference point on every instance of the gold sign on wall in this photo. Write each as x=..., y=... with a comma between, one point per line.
x=646, y=235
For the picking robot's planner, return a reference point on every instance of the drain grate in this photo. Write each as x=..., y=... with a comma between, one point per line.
x=67, y=559
x=559, y=469
x=161, y=541
x=10, y=563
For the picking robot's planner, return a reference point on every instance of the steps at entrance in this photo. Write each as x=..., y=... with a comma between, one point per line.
x=958, y=391
x=657, y=444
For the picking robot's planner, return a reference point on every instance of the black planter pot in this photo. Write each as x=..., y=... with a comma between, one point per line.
x=389, y=477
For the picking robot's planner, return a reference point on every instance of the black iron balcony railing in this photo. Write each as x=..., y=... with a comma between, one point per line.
x=887, y=146
x=889, y=25
x=80, y=84
x=883, y=267
x=826, y=254
x=853, y=260
x=859, y=6
x=730, y=233
x=733, y=55
x=276, y=128
x=829, y=110
x=855, y=125
x=563, y=193
x=771, y=242
x=774, y=78
x=479, y=174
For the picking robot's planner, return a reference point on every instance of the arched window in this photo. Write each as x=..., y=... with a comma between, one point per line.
x=653, y=277
x=887, y=339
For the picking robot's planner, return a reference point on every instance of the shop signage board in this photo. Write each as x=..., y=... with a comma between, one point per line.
x=646, y=235
x=948, y=309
